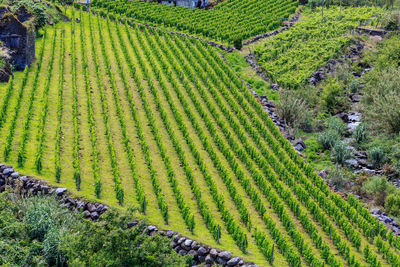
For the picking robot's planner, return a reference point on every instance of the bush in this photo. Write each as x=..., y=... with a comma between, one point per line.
x=337, y=178
x=391, y=21
x=328, y=139
x=377, y=156
x=291, y=109
x=381, y=101
x=354, y=85
x=333, y=98
x=341, y=153
x=238, y=44
x=360, y=133
x=312, y=148
x=336, y=124
x=392, y=204
x=379, y=188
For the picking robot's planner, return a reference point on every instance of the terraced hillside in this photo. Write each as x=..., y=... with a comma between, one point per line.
x=137, y=117
x=229, y=22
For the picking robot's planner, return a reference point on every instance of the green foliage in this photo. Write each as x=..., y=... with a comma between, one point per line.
x=333, y=98
x=292, y=56
x=312, y=148
x=337, y=177
x=391, y=21
x=377, y=156
x=38, y=231
x=360, y=133
x=291, y=109
x=381, y=101
x=341, y=152
x=336, y=124
x=328, y=138
x=230, y=22
x=380, y=188
x=392, y=204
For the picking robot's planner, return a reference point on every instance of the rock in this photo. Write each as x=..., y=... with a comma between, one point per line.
x=8, y=171
x=213, y=253
x=221, y=261
x=86, y=214
x=375, y=211
x=209, y=259
x=170, y=233
x=201, y=259
x=151, y=228
x=176, y=238
x=15, y=175
x=195, y=246
x=188, y=243
x=181, y=240
x=91, y=208
x=233, y=262
x=202, y=251
x=324, y=173
x=99, y=208
x=353, y=163
x=182, y=252
x=193, y=253
x=78, y=20
x=79, y=205
x=225, y=255
x=60, y=191
x=2, y=181
x=132, y=224
x=94, y=215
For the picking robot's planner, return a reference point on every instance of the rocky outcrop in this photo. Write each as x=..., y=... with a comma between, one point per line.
x=29, y=186
x=17, y=33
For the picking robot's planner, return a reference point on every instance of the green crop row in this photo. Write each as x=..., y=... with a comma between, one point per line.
x=230, y=22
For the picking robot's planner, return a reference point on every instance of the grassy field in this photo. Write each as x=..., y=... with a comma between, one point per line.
x=139, y=118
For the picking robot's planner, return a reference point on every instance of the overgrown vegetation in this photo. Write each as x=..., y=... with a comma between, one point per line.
x=37, y=231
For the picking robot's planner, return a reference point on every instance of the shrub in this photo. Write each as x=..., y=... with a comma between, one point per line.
x=328, y=139
x=312, y=148
x=336, y=124
x=377, y=156
x=341, y=152
x=333, y=98
x=379, y=188
x=291, y=109
x=238, y=44
x=392, y=204
x=381, y=101
x=360, y=133
x=354, y=85
x=391, y=21
x=336, y=177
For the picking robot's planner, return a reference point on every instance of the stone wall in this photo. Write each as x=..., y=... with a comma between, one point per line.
x=29, y=186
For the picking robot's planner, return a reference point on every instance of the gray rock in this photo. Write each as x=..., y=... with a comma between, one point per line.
x=86, y=214
x=299, y=147
x=221, y=261
x=233, y=262
x=94, y=215
x=91, y=208
x=188, y=243
x=225, y=255
x=202, y=251
x=176, y=238
x=8, y=171
x=209, y=259
x=15, y=175
x=182, y=252
x=152, y=228
x=60, y=191
x=201, y=259
x=170, y=233
x=375, y=211
x=2, y=181
x=353, y=163
x=193, y=253
x=213, y=253
x=181, y=240
x=99, y=208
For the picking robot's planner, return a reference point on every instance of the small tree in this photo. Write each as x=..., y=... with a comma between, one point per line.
x=66, y=3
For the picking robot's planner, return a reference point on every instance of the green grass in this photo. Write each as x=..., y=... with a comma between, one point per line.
x=208, y=150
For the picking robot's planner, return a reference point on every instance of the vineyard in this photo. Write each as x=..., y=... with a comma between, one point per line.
x=140, y=118
x=229, y=22
x=291, y=58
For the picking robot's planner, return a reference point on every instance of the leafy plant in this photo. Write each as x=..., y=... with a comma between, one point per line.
x=379, y=188
x=328, y=139
x=341, y=152
x=360, y=133
x=392, y=204
x=336, y=124
x=292, y=109
x=377, y=156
